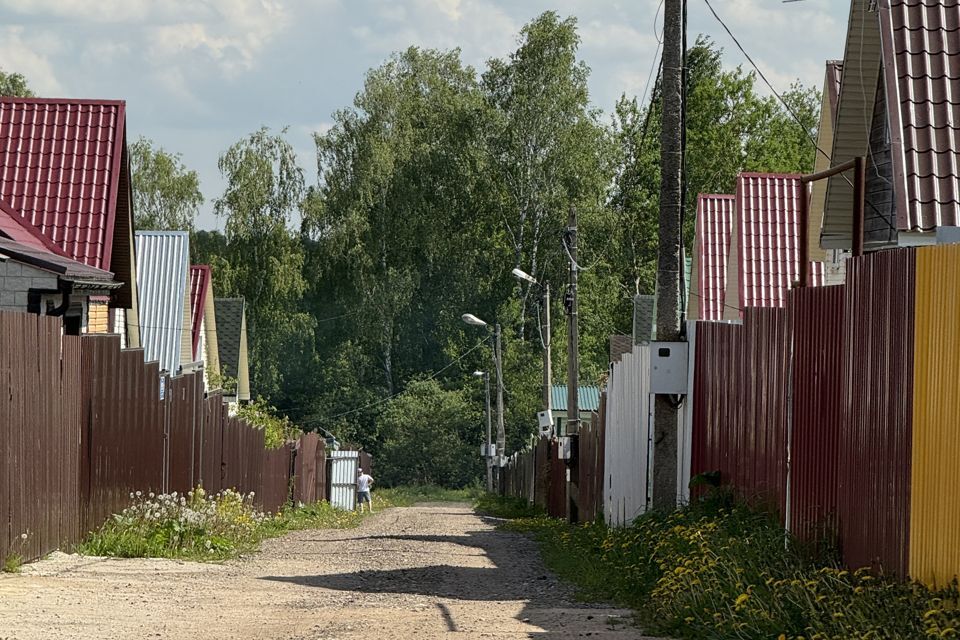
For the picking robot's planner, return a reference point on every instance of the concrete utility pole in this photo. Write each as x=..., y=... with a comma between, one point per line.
x=668, y=265
x=573, y=370
x=486, y=380
x=501, y=434
x=547, y=361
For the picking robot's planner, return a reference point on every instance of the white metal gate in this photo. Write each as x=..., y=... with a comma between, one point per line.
x=343, y=479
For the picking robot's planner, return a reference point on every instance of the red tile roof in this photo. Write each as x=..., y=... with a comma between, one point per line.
x=921, y=55
x=60, y=167
x=199, y=286
x=14, y=227
x=714, y=226
x=767, y=228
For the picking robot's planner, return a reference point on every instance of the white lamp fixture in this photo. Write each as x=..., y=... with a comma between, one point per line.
x=473, y=320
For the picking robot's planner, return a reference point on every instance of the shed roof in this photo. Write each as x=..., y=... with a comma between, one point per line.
x=588, y=397
x=710, y=254
x=162, y=278
x=60, y=167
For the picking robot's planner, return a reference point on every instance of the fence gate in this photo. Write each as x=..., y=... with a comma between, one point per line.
x=343, y=479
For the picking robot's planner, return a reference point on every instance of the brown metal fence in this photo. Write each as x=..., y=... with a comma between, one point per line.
x=83, y=426
x=590, y=465
x=309, y=474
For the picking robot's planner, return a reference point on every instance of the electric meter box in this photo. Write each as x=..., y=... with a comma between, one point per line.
x=668, y=367
x=545, y=419
x=564, y=448
x=488, y=451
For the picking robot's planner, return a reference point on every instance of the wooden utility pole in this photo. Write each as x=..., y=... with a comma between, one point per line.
x=668, y=265
x=573, y=370
x=486, y=381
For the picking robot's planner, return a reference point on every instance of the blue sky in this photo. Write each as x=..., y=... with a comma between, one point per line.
x=198, y=75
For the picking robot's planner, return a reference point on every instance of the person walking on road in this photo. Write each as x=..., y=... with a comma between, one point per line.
x=364, y=482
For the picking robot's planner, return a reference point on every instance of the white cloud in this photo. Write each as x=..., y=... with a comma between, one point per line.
x=19, y=52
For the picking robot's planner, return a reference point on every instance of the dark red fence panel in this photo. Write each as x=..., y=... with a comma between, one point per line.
x=817, y=319
x=876, y=441
x=309, y=470
x=242, y=456
x=541, y=482
x=71, y=416
x=740, y=404
x=557, y=490
x=590, y=465
x=275, y=478
x=182, y=410
x=210, y=452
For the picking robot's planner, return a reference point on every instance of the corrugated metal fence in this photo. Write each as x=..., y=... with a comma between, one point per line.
x=83, y=425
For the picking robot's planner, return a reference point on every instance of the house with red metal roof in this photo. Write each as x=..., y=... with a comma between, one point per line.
x=203, y=324
x=711, y=249
x=898, y=106
x=64, y=171
x=747, y=248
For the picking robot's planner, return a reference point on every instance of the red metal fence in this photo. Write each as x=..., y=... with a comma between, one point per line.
x=740, y=404
x=590, y=465
x=83, y=425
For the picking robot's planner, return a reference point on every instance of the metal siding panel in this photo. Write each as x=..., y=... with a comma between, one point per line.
x=935, y=508
x=875, y=446
x=163, y=273
x=627, y=438
x=817, y=320
x=343, y=479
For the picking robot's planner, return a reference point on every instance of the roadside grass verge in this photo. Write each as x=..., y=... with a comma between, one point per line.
x=213, y=528
x=496, y=506
x=719, y=569
x=409, y=495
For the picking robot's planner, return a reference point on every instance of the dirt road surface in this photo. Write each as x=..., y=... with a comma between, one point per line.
x=419, y=572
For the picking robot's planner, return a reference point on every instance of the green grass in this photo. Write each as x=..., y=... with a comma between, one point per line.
x=12, y=563
x=408, y=496
x=489, y=504
x=718, y=569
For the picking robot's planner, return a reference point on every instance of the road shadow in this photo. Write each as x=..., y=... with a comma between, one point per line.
x=517, y=574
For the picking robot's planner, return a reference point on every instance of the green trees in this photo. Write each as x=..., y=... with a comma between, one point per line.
x=14, y=85
x=167, y=195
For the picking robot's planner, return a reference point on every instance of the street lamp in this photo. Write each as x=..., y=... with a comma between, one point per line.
x=486, y=380
x=544, y=336
x=474, y=321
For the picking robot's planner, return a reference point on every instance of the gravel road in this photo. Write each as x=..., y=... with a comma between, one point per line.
x=419, y=572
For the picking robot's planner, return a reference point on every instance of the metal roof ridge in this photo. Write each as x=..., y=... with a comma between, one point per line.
x=93, y=102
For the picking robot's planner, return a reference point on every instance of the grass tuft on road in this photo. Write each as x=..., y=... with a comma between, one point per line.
x=720, y=569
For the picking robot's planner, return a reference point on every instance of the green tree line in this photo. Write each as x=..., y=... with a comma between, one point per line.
x=434, y=184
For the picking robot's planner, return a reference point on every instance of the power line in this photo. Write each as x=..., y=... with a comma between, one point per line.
x=786, y=106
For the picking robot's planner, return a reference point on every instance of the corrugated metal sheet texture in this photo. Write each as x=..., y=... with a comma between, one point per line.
x=590, y=465
x=934, y=504
x=60, y=168
x=310, y=470
x=163, y=275
x=557, y=488
x=589, y=398
x=740, y=404
x=817, y=319
x=627, y=434
x=242, y=456
x=875, y=445
x=39, y=436
x=182, y=410
x=343, y=479
x=921, y=57
x=275, y=480
x=710, y=254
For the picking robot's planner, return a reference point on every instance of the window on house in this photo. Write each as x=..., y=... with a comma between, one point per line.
x=72, y=325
